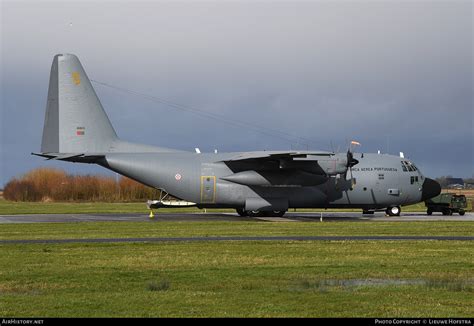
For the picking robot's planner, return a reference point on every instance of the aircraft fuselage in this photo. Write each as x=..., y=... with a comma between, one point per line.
x=378, y=181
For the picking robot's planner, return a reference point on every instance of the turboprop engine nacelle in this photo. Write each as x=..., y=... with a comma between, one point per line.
x=271, y=178
x=336, y=164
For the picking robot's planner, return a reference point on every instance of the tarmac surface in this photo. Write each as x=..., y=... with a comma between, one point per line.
x=202, y=217
x=289, y=217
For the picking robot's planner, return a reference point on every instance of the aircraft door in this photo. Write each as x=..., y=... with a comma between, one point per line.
x=387, y=188
x=208, y=189
x=377, y=191
x=208, y=184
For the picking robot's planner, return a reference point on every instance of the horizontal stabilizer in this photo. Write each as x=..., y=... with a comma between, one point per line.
x=74, y=157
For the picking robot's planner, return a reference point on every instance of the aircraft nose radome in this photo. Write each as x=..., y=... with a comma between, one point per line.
x=431, y=189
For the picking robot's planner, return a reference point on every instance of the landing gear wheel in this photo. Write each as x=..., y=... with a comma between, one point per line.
x=447, y=211
x=276, y=213
x=254, y=213
x=429, y=212
x=265, y=213
x=393, y=211
x=462, y=212
x=242, y=212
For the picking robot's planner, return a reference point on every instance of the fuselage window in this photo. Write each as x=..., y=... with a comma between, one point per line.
x=412, y=180
x=381, y=176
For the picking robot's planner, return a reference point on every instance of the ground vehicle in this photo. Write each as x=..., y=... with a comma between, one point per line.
x=447, y=203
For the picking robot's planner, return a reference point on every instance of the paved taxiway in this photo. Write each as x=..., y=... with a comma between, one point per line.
x=169, y=217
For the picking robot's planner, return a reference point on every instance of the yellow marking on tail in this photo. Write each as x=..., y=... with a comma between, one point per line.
x=76, y=78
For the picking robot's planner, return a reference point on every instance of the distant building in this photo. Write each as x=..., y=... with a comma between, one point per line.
x=469, y=185
x=454, y=183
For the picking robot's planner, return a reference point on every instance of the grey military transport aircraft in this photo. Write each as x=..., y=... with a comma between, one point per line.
x=260, y=183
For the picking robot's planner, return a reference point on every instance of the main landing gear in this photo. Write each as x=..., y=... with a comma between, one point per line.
x=243, y=212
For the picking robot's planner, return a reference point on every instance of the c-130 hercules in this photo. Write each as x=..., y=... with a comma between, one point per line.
x=261, y=183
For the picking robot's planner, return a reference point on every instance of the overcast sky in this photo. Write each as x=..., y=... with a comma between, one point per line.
x=394, y=75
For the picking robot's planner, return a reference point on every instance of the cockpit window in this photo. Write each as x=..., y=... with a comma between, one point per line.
x=404, y=167
x=408, y=166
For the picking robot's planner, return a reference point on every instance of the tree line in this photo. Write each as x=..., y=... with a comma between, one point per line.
x=49, y=184
x=445, y=181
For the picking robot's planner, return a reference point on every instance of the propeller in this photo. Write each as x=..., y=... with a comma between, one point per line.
x=351, y=161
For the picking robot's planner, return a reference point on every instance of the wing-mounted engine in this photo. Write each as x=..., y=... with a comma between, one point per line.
x=284, y=169
x=294, y=178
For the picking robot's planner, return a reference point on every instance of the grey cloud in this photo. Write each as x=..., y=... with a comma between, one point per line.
x=381, y=72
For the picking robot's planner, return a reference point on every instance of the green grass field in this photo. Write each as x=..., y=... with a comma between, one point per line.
x=12, y=208
x=237, y=278
x=228, y=228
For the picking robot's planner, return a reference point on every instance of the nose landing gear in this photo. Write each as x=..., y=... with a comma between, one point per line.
x=393, y=211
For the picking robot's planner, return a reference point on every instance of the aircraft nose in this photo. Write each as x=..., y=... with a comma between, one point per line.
x=430, y=189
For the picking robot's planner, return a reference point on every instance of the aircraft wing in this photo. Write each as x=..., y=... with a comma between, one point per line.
x=281, y=163
x=273, y=155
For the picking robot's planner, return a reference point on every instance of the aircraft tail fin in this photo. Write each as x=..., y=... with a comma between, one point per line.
x=75, y=121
